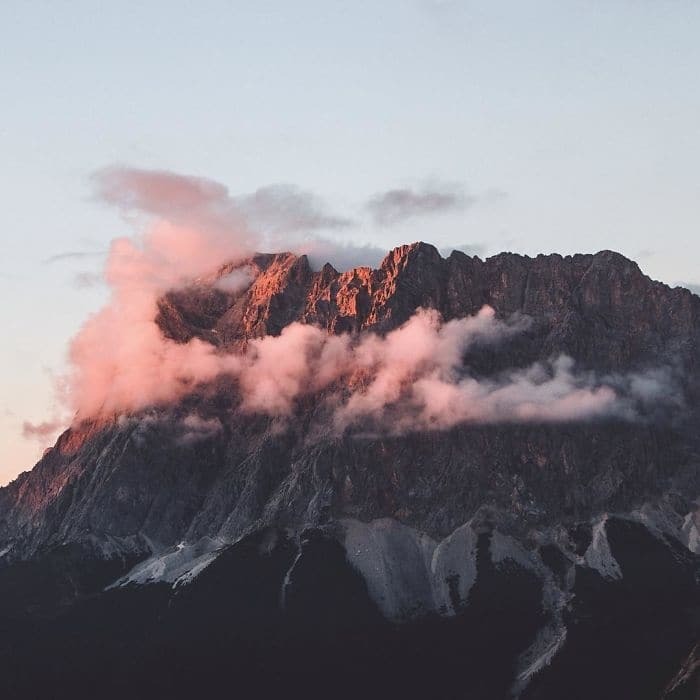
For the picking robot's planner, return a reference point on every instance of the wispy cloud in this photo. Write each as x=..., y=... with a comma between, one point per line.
x=272, y=218
x=397, y=205
x=285, y=209
x=694, y=287
x=74, y=255
x=272, y=210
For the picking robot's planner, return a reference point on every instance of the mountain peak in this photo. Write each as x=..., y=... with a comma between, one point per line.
x=412, y=250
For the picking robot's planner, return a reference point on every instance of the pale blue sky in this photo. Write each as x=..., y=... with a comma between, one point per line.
x=575, y=125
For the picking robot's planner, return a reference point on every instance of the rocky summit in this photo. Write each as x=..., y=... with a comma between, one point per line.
x=200, y=547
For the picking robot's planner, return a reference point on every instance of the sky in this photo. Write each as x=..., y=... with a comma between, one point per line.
x=567, y=126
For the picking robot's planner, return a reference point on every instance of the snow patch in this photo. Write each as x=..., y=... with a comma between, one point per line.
x=689, y=532
x=549, y=639
x=288, y=580
x=539, y=655
x=453, y=569
x=504, y=547
x=407, y=573
x=661, y=520
x=598, y=556
x=394, y=560
x=178, y=565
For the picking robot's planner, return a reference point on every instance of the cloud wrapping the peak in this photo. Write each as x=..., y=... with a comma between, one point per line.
x=413, y=378
x=119, y=360
x=145, y=369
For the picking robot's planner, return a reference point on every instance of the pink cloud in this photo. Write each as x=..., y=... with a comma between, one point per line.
x=162, y=194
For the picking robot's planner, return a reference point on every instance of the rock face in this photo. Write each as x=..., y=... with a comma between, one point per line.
x=599, y=309
x=560, y=558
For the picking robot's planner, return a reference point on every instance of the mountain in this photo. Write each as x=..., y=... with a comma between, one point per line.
x=201, y=546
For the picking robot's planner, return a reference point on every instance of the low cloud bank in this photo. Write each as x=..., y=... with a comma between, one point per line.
x=413, y=378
